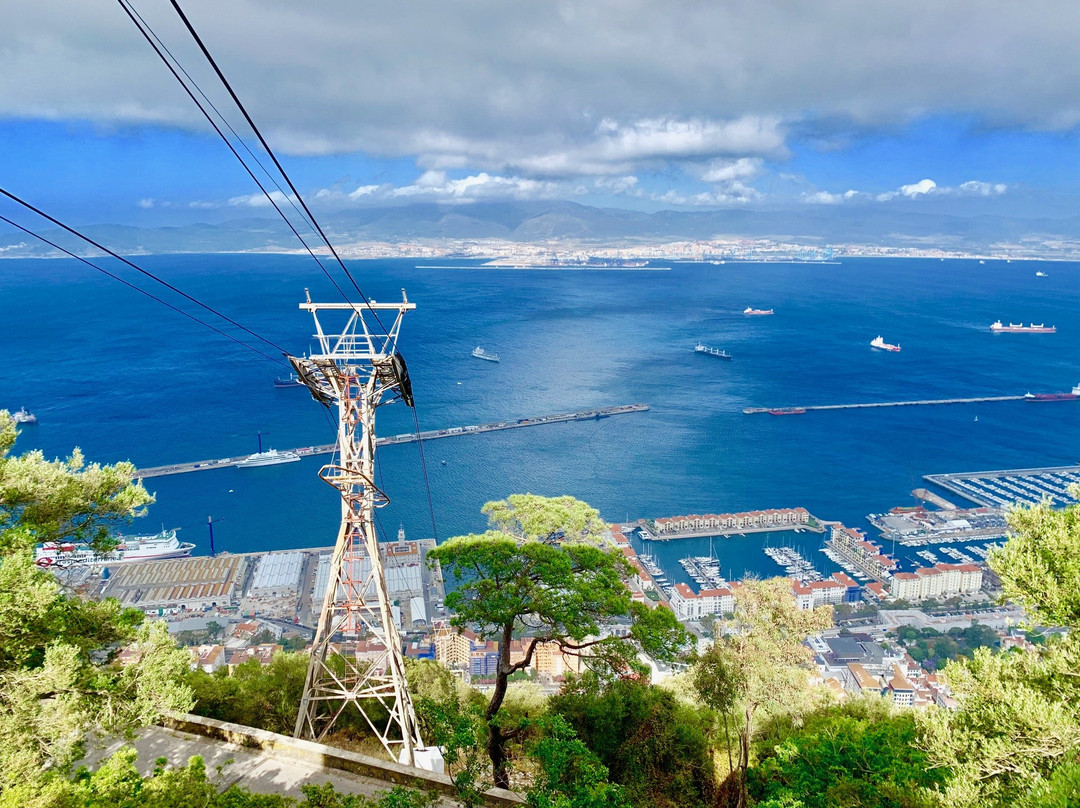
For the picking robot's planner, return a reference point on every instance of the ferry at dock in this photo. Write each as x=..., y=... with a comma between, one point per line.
x=135, y=548
x=271, y=457
x=1020, y=328
x=878, y=342
x=749, y=310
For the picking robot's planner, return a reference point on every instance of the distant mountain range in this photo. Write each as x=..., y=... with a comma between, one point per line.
x=529, y=222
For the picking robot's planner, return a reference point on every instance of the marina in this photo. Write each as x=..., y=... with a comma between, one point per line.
x=793, y=563
x=1005, y=487
x=557, y=418
x=705, y=571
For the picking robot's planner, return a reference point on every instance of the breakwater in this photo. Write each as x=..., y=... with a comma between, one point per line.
x=557, y=418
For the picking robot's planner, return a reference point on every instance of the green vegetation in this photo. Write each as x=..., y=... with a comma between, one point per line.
x=546, y=569
x=933, y=648
x=654, y=746
x=758, y=661
x=56, y=676
x=1015, y=738
x=860, y=753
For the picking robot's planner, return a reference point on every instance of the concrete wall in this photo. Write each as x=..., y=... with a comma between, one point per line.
x=329, y=757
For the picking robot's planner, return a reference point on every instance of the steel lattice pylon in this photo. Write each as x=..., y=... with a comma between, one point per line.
x=355, y=368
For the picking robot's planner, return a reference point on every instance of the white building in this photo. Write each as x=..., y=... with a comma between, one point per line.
x=689, y=605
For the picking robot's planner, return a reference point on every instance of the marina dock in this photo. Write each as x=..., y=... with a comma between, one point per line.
x=981, y=400
x=558, y=418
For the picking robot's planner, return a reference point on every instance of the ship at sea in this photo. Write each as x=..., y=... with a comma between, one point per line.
x=480, y=353
x=878, y=342
x=134, y=548
x=749, y=310
x=1020, y=328
x=23, y=416
x=1071, y=396
x=717, y=352
x=292, y=381
x=788, y=411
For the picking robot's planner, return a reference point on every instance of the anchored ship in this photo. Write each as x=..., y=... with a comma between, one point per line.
x=788, y=411
x=23, y=416
x=878, y=342
x=480, y=353
x=135, y=548
x=717, y=352
x=749, y=310
x=1020, y=328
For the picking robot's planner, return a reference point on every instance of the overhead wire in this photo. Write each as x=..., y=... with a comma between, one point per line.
x=277, y=164
x=137, y=268
x=138, y=289
x=147, y=32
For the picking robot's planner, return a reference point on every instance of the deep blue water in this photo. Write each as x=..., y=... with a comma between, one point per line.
x=124, y=378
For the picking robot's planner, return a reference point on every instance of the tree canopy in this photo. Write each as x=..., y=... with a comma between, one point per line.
x=547, y=574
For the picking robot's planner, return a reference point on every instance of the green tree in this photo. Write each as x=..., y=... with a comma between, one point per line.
x=1017, y=730
x=860, y=753
x=758, y=660
x=570, y=775
x=267, y=697
x=545, y=571
x=653, y=745
x=56, y=680
x=62, y=500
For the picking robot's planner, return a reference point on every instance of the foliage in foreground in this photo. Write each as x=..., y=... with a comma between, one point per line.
x=861, y=753
x=653, y=745
x=118, y=784
x=55, y=678
x=1016, y=734
x=546, y=571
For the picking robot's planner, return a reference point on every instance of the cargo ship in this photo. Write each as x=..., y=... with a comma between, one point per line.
x=1020, y=328
x=1071, y=396
x=292, y=381
x=717, y=352
x=788, y=411
x=480, y=353
x=23, y=416
x=749, y=310
x=878, y=342
x=136, y=548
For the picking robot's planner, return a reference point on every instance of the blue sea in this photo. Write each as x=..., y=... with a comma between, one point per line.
x=124, y=378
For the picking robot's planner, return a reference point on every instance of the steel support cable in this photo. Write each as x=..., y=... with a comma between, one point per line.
x=144, y=24
x=277, y=163
x=137, y=268
x=141, y=291
x=135, y=19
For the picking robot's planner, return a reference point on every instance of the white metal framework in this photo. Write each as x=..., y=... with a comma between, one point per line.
x=355, y=367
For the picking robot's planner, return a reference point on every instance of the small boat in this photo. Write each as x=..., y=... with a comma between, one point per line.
x=23, y=416
x=292, y=381
x=480, y=353
x=1041, y=274
x=749, y=310
x=717, y=352
x=878, y=342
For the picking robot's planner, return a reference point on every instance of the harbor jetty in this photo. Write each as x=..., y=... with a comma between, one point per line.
x=921, y=402
x=412, y=437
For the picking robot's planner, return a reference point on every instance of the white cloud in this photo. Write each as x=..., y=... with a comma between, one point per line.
x=726, y=170
x=977, y=188
x=823, y=198
x=915, y=190
x=619, y=185
x=146, y=204
x=260, y=200
x=918, y=189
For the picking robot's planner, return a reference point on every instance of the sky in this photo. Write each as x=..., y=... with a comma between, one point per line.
x=952, y=107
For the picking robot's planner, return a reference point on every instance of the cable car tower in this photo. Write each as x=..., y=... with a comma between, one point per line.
x=355, y=367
